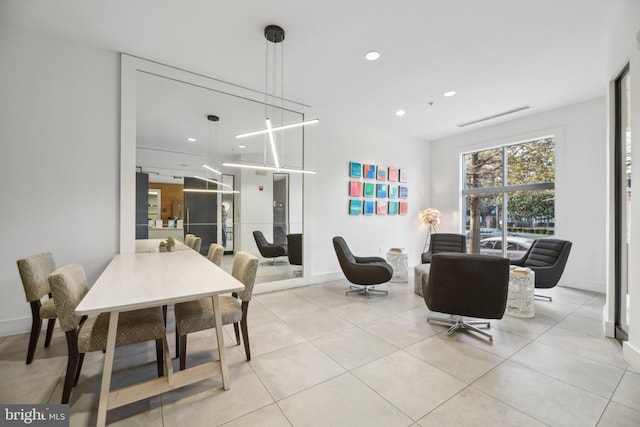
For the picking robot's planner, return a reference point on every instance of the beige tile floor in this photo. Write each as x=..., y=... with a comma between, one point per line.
x=321, y=358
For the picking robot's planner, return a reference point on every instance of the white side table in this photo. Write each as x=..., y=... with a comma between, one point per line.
x=400, y=264
x=520, y=299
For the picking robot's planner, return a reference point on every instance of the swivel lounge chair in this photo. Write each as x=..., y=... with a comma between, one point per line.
x=269, y=250
x=547, y=258
x=466, y=285
x=445, y=242
x=364, y=272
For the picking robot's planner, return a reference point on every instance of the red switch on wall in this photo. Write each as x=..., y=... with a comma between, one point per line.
x=260, y=188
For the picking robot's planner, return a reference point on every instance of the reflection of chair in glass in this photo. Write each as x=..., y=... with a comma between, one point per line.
x=215, y=253
x=445, y=242
x=194, y=316
x=547, y=258
x=364, y=272
x=268, y=250
x=470, y=285
x=69, y=286
x=34, y=272
x=294, y=249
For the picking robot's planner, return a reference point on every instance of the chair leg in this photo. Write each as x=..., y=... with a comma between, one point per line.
x=78, y=369
x=50, y=325
x=245, y=330
x=159, y=357
x=177, y=343
x=457, y=323
x=36, y=325
x=183, y=352
x=72, y=364
x=236, y=329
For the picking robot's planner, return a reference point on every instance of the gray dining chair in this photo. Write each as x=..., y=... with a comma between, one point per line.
x=86, y=334
x=215, y=253
x=194, y=316
x=34, y=273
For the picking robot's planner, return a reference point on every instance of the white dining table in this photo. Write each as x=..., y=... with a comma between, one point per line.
x=141, y=280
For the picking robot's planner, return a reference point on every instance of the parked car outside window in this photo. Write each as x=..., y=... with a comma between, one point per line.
x=516, y=246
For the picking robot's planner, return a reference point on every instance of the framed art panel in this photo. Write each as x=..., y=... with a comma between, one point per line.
x=403, y=192
x=403, y=208
x=369, y=207
x=355, y=170
x=382, y=173
x=369, y=171
x=381, y=208
x=355, y=188
x=394, y=174
x=355, y=207
x=381, y=191
x=393, y=208
x=393, y=191
x=403, y=175
x=369, y=189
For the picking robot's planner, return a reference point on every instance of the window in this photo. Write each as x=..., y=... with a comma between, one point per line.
x=509, y=195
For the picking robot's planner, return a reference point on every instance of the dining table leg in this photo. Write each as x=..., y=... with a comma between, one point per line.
x=224, y=369
x=103, y=405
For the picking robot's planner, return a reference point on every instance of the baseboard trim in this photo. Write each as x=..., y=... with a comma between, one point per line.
x=16, y=326
x=631, y=355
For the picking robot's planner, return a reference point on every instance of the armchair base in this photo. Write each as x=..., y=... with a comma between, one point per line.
x=364, y=290
x=457, y=323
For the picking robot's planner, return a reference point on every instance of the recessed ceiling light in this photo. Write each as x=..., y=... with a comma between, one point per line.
x=450, y=93
x=191, y=139
x=372, y=55
x=400, y=113
x=242, y=146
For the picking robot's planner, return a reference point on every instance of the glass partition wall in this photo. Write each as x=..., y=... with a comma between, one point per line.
x=182, y=121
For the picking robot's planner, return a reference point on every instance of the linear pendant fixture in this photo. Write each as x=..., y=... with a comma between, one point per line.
x=211, y=169
x=277, y=128
x=213, y=181
x=200, y=190
x=268, y=168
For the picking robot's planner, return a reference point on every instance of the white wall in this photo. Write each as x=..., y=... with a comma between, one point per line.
x=332, y=144
x=60, y=159
x=580, y=132
x=625, y=48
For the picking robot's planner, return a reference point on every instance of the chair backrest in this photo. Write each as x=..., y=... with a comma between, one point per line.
x=294, y=248
x=547, y=252
x=34, y=273
x=344, y=254
x=467, y=285
x=261, y=241
x=244, y=269
x=188, y=238
x=196, y=243
x=69, y=286
x=215, y=253
x=448, y=242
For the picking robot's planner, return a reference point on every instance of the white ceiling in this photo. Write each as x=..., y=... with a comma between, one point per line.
x=496, y=54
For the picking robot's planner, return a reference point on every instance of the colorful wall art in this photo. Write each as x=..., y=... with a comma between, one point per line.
x=355, y=207
x=373, y=188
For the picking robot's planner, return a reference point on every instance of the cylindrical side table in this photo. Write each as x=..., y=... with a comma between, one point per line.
x=520, y=299
x=400, y=264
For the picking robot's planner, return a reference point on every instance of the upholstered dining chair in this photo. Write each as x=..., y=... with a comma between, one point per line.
x=268, y=250
x=471, y=285
x=188, y=238
x=196, y=243
x=364, y=272
x=194, y=316
x=215, y=253
x=34, y=273
x=445, y=242
x=547, y=258
x=86, y=334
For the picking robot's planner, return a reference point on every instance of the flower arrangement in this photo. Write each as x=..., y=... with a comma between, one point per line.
x=430, y=216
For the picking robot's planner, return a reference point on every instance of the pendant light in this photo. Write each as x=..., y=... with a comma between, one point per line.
x=274, y=36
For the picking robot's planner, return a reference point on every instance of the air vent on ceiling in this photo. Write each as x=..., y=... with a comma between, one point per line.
x=494, y=116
